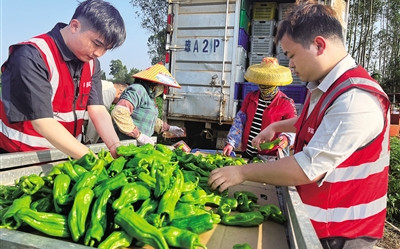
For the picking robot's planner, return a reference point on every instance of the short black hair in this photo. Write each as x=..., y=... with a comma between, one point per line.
x=103, y=18
x=306, y=21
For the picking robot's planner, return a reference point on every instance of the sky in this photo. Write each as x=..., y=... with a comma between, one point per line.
x=22, y=19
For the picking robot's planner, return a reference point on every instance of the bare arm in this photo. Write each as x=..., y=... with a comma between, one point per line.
x=283, y=172
x=59, y=137
x=102, y=122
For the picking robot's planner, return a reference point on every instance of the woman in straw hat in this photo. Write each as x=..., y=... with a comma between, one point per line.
x=136, y=113
x=262, y=107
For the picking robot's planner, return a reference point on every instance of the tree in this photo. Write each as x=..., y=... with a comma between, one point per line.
x=118, y=70
x=153, y=14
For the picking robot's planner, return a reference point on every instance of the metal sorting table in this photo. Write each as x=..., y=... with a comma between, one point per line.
x=298, y=233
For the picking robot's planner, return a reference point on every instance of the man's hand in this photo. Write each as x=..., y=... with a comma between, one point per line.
x=177, y=131
x=144, y=139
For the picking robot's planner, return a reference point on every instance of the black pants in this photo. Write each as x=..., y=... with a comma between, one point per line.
x=345, y=243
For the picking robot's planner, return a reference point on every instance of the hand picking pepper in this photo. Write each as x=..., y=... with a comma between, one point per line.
x=87, y=161
x=117, y=239
x=181, y=238
x=270, y=145
x=52, y=224
x=244, y=219
x=79, y=212
x=98, y=220
x=139, y=228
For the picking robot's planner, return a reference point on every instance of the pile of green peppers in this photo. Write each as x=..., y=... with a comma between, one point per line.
x=150, y=195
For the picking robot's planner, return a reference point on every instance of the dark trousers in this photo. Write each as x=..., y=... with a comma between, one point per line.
x=345, y=243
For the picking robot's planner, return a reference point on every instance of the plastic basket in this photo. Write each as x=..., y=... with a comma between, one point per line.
x=283, y=9
x=244, y=21
x=248, y=87
x=243, y=39
x=262, y=44
x=264, y=10
x=296, y=92
x=256, y=58
x=262, y=28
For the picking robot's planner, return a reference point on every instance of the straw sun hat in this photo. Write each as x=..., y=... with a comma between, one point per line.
x=269, y=73
x=157, y=73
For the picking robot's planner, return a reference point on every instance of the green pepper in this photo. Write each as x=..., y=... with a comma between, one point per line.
x=246, y=201
x=79, y=212
x=196, y=223
x=272, y=212
x=148, y=206
x=139, y=228
x=117, y=239
x=164, y=149
x=131, y=193
x=232, y=202
x=98, y=220
x=79, y=169
x=86, y=180
x=244, y=219
x=87, y=161
x=52, y=224
x=183, y=210
x=69, y=169
x=112, y=183
x=242, y=246
x=163, y=178
x=224, y=209
x=171, y=197
x=9, y=220
x=147, y=178
x=250, y=195
x=269, y=145
x=60, y=191
x=131, y=149
x=181, y=238
x=43, y=204
x=105, y=155
x=192, y=166
x=116, y=166
x=30, y=184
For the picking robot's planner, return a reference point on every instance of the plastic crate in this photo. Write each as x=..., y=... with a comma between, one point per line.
x=262, y=28
x=264, y=10
x=296, y=92
x=261, y=44
x=283, y=60
x=256, y=58
x=244, y=21
x=283, y=9
x=243, y=39
x=248, y=87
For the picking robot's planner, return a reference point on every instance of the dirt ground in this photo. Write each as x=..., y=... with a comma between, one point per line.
x=391, y=238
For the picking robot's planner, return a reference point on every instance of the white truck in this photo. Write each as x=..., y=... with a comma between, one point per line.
x=210, y=44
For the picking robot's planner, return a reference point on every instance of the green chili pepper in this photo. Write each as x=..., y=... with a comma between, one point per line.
x=139, y=228
x=112, y=183
x=242, y=246
x=9, y=219
x=250, y=195
x=224, y=209
x=98, y=220
x=105, y=155
x=69, y=169
x=86, y=180
x=116, y=166
x=30, y=184
x=79, y=169
x=79, y=212
x=232, y=202
x=117, y=239
x=272, y=212
x=163, y=179
x=196, y=223
x=183, y=210
x=269, y=145
x=148, y=206
x=43, y=204
x=246, y=201
x=164, y=149
x=60, y=191
x=244, y=219
x=171, y=197
x=131, y=149
x=180, y=238
x=131, y=193
x=147, y=178
x=87, y=161
x=48, y=223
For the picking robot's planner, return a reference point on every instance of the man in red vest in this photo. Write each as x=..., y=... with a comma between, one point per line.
x=341, y=152
x=51, y=80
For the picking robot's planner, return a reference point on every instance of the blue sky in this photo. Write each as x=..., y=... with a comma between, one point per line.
x=22, y=19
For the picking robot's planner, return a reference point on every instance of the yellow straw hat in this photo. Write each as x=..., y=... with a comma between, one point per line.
x=157, y=73
x=269, y=73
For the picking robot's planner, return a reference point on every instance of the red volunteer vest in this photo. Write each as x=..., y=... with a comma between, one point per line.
x=280, y=108
x=68, y=108
x=351, y=202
